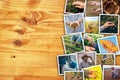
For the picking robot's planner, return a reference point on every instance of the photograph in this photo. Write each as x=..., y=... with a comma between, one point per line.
x=73, y=75
x=73, y=43
x=109, y=24
x=118, y=36
x=118, y=52
x=111, y=6
x=93, y=73
x=74, y=23
x=108, y=44
x=111, y=72
x=105, y=59
x=86, y=59
x=67, y=63
x=93, y=7
x=92, y=25
x=74, y=6
x=117, y=60
x=90, y=42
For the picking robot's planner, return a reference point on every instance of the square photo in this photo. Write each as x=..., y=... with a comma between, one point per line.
x=105, y=59
x=73, y=43
x=92, y=25
x=86, y=59
x=111, y=72
x=74, y=23
x=109, y=24
x=74, y=6
x=90, y=42
x=111, y=6
x=108, y=44
x=73, y=75
x=67, y=63
x=93, y=73
x=93, y=7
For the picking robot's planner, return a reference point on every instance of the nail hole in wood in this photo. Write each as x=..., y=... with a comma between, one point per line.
x=13, y=56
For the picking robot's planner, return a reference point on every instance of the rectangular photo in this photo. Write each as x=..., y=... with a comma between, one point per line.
x=105, y=59
x=109, y=24
x=74, y=6
x=93, y=7
x=93, y=73
x=117, y=60
x=111, y=72
x=108, y=44
x=74, y=23
x=92, y=25
x=73, y=75
x=67, y=63
x=90, y=42
x=73, y=43
x=118, y=36
x=111, y=6
x=86, y=59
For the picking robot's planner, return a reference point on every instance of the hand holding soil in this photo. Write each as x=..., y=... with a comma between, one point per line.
x=95, y=3
x=97, y=10
x=87, y=48
x=74, y=25
x=108, y=24
x=79, y=4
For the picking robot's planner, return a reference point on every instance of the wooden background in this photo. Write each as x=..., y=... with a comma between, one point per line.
x=28, y=51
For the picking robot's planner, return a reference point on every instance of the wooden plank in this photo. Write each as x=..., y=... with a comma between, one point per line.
x=28, y=51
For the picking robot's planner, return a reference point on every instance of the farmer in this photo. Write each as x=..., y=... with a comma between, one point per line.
x=76, y=40
x=85, y=63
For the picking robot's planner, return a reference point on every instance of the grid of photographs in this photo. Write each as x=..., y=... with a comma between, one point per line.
x=91, y=41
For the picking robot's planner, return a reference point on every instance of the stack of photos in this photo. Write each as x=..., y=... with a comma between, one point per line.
x=91, y=41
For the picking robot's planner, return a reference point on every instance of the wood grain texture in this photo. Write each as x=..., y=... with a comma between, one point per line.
x=28, y=49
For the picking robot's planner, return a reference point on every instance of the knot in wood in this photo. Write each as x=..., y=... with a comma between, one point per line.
x=17, y=42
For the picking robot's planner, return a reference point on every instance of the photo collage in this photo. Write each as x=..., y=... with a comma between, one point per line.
x=92, y=40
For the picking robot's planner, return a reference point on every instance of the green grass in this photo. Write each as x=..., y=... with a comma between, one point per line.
x=73, y=47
